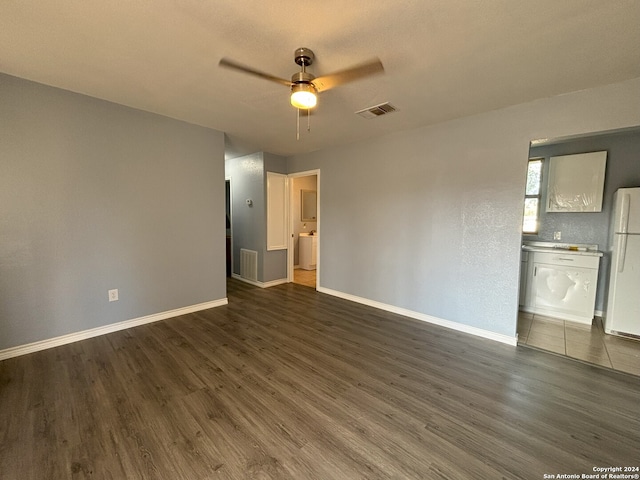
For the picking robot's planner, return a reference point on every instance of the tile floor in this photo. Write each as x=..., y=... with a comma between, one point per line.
x=305, y=277
x=588, y=343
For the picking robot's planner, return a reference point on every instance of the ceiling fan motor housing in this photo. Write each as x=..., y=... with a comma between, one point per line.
x=302, y=77
x=304, y=56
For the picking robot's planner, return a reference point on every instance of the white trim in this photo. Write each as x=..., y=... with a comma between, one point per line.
x=478, y=332
x=229, y=179
x=598, y=313
x=271, y=283
x=553, y=313
x=113, y=327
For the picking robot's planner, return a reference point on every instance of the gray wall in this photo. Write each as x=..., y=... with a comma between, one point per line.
x=430, y=219
x=248, y=222
x=95, y=196
x=623, y=170
x=249, y=181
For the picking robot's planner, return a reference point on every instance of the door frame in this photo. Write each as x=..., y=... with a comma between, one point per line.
x=292, y=216
x=228, y=179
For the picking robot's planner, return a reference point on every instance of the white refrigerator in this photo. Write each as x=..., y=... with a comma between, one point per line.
x=623, y=306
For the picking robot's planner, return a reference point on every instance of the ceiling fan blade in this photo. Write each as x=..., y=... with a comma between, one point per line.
x=372, y=67
x=225, y=62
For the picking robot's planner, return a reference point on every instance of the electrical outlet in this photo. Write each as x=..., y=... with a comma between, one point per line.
x=113, y=295
x=557, y=235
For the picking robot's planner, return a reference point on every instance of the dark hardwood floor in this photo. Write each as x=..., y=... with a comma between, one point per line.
x=288, y=383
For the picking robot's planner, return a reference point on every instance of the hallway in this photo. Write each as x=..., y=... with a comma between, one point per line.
x=305, y=277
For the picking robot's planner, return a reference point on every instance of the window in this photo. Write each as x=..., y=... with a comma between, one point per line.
x=532, y=197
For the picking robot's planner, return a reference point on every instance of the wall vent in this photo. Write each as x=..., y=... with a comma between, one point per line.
x=376, y=110
x=249, y=264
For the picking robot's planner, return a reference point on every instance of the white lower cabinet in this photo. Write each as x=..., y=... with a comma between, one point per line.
x=562, y=285
x=308, y=247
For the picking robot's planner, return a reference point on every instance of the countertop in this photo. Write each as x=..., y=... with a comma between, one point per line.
x=562, y=248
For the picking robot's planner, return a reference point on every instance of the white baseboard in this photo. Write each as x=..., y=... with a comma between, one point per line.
x=479, y=332
x=559, y=315
x=272, y=283
x=113, y=327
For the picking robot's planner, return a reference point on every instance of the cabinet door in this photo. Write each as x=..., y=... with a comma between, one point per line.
x=307, y=255
x=576, y=182
x=564, y=289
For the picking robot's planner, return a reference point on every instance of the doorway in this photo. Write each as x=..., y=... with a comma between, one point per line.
x=585, y=342
x=303, y=257
x=229, y=245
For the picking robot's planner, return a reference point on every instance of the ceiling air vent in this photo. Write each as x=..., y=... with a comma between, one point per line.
x=376, y=110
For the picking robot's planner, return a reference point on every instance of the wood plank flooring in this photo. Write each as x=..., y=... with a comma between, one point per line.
x=288, y=383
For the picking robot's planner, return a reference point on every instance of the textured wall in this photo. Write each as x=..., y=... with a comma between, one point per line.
x=430, y=219
x=96, y=196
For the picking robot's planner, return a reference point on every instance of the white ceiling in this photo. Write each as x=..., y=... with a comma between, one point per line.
x=443, y=58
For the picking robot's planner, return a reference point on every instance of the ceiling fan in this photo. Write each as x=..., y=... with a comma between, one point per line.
x=304, y=86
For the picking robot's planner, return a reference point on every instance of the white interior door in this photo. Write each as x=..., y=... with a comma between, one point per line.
x=277, y=211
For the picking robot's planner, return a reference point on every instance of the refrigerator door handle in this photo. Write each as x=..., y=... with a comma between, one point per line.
x=622, y=251
x=624, y=213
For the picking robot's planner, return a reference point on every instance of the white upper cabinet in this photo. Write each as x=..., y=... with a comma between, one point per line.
x=576, y=182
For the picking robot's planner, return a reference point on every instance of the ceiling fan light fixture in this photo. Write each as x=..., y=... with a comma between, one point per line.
x=303, y=95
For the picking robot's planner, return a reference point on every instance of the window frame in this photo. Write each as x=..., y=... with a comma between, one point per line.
x=538, y=196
